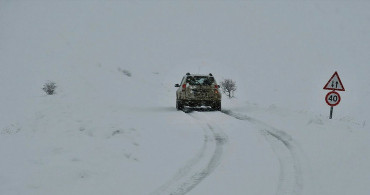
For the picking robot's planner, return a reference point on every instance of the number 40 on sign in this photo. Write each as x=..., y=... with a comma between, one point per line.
x=332, y=98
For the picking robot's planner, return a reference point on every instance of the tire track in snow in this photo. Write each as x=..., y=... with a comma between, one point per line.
x=202, y=165
x=287, y=151
x=184, y=171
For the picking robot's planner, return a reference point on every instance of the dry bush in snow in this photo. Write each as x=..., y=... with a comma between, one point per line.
x=49, y=87
x=228, y=87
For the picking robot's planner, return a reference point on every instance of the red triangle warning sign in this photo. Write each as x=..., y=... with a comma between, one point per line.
x=334, y=83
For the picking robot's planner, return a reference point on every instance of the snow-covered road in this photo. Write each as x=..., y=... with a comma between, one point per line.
x=287, y=151
x=172, y=152
x=203, y=164
x=212, y=154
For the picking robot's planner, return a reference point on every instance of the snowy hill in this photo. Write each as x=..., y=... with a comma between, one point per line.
x=112, y=126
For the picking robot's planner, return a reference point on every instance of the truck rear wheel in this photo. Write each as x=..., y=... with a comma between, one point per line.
x=217, y=106
x=179, y=105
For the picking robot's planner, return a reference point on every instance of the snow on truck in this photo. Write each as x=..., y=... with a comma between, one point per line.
x=198, y=90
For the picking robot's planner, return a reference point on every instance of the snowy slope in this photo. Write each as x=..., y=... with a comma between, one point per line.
x=112, y=126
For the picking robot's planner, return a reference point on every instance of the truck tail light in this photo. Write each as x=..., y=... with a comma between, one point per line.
x=183, y=86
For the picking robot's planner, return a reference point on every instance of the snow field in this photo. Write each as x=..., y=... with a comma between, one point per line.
x=112, y=127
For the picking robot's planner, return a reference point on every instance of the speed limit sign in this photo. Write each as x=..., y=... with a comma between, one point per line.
x=332, y=98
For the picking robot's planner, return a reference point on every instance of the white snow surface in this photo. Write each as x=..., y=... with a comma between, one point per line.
x=112, y=127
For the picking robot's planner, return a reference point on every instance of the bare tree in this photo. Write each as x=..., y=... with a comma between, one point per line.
x=228, y=87
x=49, y=87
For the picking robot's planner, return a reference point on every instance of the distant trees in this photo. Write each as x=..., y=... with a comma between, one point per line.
x=228, y=87
x=49, y=87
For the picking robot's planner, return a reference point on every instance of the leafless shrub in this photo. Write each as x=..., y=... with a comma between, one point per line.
x=228, y=87
x=49, y=88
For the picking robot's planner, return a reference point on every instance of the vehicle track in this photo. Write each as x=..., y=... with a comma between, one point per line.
x=199, y=167
x=287, y=151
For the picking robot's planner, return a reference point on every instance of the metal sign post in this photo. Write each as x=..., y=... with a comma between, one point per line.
x=331, y=112
x=333, y=98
